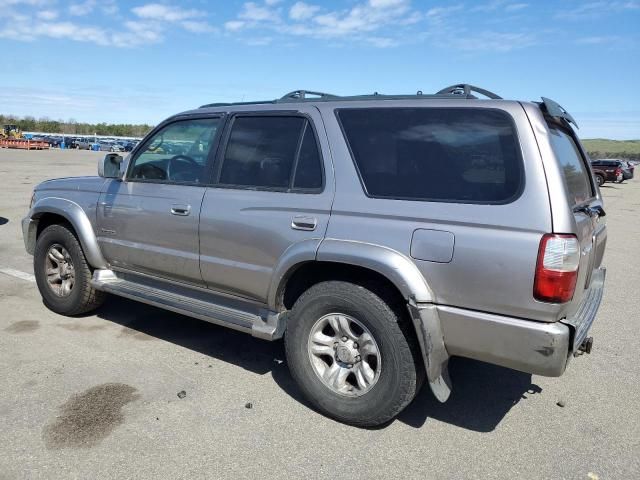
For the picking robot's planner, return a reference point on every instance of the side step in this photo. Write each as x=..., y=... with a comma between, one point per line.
x=193, y=302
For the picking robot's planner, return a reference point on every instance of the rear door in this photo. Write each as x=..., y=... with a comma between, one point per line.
x=584, y=201
x=273, y=190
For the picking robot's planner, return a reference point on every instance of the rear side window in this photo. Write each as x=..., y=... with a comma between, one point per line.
x=309, y=169
x=274, y=152
x=435, y=154
x=574, y=170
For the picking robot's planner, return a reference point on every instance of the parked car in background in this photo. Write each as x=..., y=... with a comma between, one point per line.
x=627, y=169
x=379, y=235
x=128, y=146
x=605, y=170
x=82, y=144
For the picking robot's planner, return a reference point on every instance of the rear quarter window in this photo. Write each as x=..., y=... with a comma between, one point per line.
x=435, y=154
x=574, y=170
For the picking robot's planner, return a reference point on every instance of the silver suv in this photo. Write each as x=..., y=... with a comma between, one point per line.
x=380, y=235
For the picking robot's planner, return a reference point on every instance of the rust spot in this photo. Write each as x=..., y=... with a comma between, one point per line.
x=23, y=326
x=89, y=417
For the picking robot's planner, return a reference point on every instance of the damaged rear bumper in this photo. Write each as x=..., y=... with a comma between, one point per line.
x=525, y=345
x=529, y=346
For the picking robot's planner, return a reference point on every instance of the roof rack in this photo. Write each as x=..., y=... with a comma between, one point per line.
x=462, y=90
x=298, y=95
x=466, y=89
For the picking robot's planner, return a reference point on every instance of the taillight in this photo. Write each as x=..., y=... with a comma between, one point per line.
x=557, y=268
x=618, y=171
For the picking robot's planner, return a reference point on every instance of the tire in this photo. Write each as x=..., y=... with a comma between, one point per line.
x=80, y=297
x=599, y=180
x=399, y=373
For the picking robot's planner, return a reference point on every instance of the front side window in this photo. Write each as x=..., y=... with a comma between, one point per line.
x=435, y=154
x=272, y=152
x=575, y=173
x=178, y=153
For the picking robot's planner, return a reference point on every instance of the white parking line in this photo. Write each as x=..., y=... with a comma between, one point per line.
x=18, y=274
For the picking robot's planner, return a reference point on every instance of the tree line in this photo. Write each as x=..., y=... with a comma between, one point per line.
x=619, y=155
x=72, y=127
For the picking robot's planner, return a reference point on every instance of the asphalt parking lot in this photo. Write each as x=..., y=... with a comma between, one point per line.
x=97, y=396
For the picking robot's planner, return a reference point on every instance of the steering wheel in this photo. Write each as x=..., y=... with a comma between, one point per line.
x=183, y=158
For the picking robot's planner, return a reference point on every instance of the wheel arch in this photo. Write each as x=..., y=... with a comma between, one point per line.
x=397, y=278
x=352, y=259
x=52, y=210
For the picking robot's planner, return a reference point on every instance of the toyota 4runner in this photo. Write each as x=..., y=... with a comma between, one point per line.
x=379, y=235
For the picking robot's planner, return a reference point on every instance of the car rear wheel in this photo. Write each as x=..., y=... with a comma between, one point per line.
x=599, y=180
x=352, y=354
x=62, y=273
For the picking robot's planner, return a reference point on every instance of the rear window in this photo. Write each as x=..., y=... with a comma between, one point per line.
x=435, y=154
x=575, y=172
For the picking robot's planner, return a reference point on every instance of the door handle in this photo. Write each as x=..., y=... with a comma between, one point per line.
x=180, y=210
x=301, y=222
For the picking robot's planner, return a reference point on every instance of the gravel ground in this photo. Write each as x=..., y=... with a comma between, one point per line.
x=97, y=397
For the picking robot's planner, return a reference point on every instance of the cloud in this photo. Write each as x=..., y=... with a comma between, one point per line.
x=157, y=11
x=82, y=9
x=145, y=24
x=234, y=25
x=302, y=11
x=595, y=10
x=514, y=7
x=599, y=40
x=358, y=22
x=254, y=12
x=47, y=15
x=492, y=41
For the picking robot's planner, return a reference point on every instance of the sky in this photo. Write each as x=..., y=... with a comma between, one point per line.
x=119, y=61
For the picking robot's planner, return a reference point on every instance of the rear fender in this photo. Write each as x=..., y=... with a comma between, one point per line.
x=404, y=274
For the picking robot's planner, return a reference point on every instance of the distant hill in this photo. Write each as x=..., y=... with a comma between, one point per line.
x=603, y=148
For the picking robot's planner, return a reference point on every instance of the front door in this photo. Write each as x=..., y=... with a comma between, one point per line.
x=148, y=222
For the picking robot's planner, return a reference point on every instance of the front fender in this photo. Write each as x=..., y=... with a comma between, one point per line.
x=404, y=274
x=78, y=219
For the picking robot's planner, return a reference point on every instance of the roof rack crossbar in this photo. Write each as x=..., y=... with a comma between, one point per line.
x=466, y=89
x=304, y=95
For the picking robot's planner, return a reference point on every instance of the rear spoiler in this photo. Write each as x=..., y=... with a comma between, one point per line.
x=553, y=109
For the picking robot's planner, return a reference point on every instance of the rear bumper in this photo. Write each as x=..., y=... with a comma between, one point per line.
x=581, y=321
x=529, y=346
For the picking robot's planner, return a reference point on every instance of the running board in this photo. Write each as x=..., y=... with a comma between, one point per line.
x=193, y=302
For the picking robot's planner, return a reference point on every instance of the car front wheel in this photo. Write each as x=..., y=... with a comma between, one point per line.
x=62, y=273
x=352, y=354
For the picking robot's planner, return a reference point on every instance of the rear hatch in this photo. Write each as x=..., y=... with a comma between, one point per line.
x=578, y=211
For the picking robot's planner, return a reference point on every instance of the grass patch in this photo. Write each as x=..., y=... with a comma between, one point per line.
x=604, y=148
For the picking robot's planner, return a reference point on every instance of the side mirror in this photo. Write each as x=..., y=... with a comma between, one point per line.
x=109, y=166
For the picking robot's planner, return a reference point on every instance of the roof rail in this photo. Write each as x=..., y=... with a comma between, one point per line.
x=466, y=89
x=304, y=95
x=461, y=90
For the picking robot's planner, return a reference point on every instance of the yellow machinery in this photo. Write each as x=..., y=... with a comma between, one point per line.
x=11, y=131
